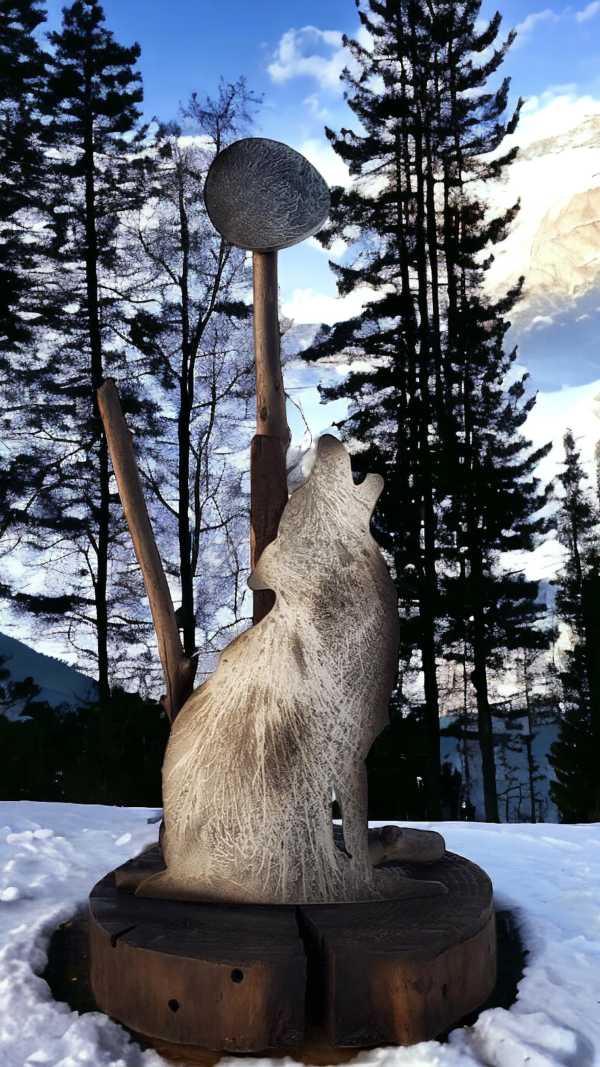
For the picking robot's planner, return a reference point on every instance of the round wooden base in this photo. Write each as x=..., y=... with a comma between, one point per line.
x=246, y=978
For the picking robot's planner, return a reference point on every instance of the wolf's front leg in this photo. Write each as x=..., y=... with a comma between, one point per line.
x=368, y=883
x=352, y=798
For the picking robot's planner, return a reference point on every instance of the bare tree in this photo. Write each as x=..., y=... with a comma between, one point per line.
x=191, y=334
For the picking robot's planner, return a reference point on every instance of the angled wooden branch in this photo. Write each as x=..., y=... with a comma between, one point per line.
x=179, y=671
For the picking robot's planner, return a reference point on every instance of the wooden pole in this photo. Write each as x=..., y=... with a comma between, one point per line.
x=178, y=670
x=268, y=479
x=270, y=397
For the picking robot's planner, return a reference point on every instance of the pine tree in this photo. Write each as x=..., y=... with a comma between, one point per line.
x=21, y=163
x=575, y=755
x=89, y=97
x=22, y=67
x=492, y=510
x=432, y=408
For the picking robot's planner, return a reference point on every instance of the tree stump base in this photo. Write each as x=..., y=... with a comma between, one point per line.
x=250, y=978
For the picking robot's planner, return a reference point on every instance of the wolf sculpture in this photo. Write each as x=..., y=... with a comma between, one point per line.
x=289, y=716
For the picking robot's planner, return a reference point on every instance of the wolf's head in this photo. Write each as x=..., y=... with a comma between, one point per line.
x=324, y=528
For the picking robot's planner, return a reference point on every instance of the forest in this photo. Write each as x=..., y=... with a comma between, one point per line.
x=110, y=268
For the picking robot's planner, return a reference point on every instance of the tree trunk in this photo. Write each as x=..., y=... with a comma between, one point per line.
x=103, y=513
x=529, y=741
x=428, y=584
x=268, y=478
x=188, y=621
x=484, y=716
x=590, y=596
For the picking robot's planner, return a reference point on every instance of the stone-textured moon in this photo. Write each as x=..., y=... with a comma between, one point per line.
x=290, y=715
x=262, y=195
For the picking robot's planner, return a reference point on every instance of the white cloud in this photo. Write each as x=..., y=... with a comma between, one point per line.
x=308, y=306
x=541, y=321
x=336, y=251
x=296, y=56
x=525, y=29
x=314, y=105
x=553, y=112
x=588, y=12
x=321, y=155
x=576, y=407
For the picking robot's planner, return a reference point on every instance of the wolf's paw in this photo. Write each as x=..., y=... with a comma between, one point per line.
x=396, y=886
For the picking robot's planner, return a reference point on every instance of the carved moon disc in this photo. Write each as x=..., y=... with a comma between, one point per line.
x=262, y=195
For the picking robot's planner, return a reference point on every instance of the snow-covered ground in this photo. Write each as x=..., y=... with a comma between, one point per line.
x=52, y=854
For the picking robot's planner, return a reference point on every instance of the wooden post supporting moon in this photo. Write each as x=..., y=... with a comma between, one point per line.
x=268, y=478
x=263, y=196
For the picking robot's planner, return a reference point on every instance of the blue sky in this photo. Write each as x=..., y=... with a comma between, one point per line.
x=188, y=44
x=290, y=51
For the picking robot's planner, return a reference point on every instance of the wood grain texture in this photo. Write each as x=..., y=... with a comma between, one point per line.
x=401, y=972
x=264, y=196
x=214, y=975
x=290, y=715
x=270, y=395
x=179, y=671
x=268, y=475
x=249, y=977
x=268, y=498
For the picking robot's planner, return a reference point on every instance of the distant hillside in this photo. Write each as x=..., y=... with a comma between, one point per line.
x=57, y=681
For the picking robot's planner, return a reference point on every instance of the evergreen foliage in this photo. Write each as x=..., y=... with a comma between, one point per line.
x=433, y=408
x=396, y=767
x=22, y=69
x=95, y=754
x=576, y=754
x=76, y=536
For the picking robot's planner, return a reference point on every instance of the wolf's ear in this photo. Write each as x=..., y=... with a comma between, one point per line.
x=369, y=491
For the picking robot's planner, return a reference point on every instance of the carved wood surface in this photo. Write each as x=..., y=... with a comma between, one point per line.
x=250, y=977
x=290, y=715
x=179, y=671
x=209, y=974
x=268, y=498
x=402, y=972
x=264, y=196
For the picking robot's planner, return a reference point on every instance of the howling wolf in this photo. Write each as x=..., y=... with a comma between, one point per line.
x=289, y=716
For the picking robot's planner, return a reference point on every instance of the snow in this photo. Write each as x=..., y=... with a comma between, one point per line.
x=549, y=876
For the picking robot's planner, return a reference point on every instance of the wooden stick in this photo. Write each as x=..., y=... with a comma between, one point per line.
x=270, y=396
x=179, y=671
x=268, y=481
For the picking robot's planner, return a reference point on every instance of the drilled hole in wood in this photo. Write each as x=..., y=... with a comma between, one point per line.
x=120, y=933
x=237, y=975
x=173, y=1005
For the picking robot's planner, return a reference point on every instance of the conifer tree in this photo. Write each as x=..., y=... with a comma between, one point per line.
x=21, y=163
x=22, y=66
x=90, y=98
x=433, y=409
x=575, y=756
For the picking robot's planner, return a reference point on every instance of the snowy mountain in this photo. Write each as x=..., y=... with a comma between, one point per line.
x=58, y=682
x=555, y=239
x=554, y=243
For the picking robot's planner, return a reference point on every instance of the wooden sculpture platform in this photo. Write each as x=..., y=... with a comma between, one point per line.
x=247, y=978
